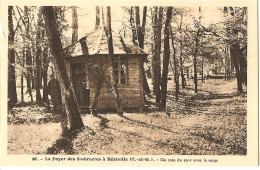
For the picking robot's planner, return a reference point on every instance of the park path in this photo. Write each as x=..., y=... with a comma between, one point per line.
x=211, y=122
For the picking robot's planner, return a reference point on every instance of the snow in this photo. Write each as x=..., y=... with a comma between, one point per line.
x=212, y=122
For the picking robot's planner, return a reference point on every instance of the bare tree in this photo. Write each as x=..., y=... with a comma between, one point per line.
x=132, y=23
x=176, y=70
x=74, y=24
x=69, y=97
x=156, y=62
x=97, y=25
x=166, y=58
x=45, y=72
x=112, y=83
x=38, y=55
x=236, y=51
x=181, y=54
x=197, y=37
x=12, y=94
x=140, y=36
x=22, y=74
x=28, y=56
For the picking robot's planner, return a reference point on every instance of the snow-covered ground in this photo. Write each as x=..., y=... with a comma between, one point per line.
x=211, y=122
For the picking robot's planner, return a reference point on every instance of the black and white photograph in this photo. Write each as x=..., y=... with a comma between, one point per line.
x=127, y=80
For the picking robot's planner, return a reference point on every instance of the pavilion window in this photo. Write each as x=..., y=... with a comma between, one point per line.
x=120, y=69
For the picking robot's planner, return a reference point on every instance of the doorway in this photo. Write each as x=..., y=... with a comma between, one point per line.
x=80, y=84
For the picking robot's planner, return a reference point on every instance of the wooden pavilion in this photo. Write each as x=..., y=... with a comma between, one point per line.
x=88, y=62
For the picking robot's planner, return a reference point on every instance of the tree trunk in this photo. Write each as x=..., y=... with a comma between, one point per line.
x=74, y=24
x=28, y=57
x=45, y=74
x=202, y=69
x=140, y=37
x=97, y=25
x=239, y=62
x=84, y=46
x=197, y=40
x=234, y=54
x=195, y=61
x=243, y=65
x=183, y=81
x=166, y=57
x=195, y=74
x=100, y=76
x=228, y=64
x=37, y=77
x=22, y=74
x=176, y=74
x=22, y=96
x=132, y=23
x=99, y=86
x=157, y=22
x=112, y=78
x=33, y=56
x=145, y=83
x=225, y=64
x=38, y=53
x=12, y=94
x=154, y=50
x=232, y=67
x=69, y=97
x=138, y=26
x=158, y=55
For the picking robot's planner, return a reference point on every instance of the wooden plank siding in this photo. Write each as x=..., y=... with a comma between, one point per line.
x=131, y=93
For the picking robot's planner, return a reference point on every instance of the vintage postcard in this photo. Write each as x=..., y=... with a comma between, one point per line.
x=129, y=83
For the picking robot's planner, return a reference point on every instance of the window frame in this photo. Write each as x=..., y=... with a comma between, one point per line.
x=121, y=59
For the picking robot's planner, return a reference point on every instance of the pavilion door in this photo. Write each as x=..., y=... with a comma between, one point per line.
x=80, y=84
